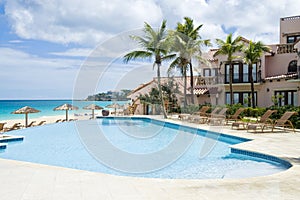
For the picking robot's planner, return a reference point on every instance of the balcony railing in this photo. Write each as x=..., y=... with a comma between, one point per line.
x=285, y=48
x=210, y=80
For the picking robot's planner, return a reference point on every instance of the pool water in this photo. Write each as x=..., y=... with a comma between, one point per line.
x=135, y=147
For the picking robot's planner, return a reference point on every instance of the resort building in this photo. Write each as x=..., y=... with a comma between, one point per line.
x=276, y=76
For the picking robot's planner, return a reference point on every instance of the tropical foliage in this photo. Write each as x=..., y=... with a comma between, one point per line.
x=229, y=47
x=252, y=54
x=187, y=44
x=154, y=44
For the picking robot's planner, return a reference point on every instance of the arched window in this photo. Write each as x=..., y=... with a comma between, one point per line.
x=292, y=66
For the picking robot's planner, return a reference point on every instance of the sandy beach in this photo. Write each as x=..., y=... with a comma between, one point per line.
x=48, y=119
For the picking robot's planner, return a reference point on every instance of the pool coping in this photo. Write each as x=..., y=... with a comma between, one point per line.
x=35, y=181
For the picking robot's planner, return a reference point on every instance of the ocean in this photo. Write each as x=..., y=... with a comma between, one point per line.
x=46, y=107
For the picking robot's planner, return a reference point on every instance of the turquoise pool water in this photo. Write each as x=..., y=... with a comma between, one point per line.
x=136, y=147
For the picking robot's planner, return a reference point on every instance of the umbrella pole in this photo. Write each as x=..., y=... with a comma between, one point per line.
x=26, y=120
x=93, y=113
x=67, y=115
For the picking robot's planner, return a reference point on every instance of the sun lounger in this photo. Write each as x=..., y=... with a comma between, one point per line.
x=217, y=119
x=191, y=117
x=2, y=126
x=13, y=127
x=59, y=120
x=262, y=123
x=235, y=117
x=31, y=124
x=204, y=116
x=40, y=123
x=284, y=121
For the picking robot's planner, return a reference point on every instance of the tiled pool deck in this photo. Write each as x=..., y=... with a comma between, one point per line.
x=28, y=181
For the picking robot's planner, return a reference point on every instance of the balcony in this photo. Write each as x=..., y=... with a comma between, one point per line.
x=209, y=80
x=285, y=48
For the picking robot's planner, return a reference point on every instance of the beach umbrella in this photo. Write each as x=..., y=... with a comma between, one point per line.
x=115, y=106
x=66, y=107
x=26, y=110
x=93, y=107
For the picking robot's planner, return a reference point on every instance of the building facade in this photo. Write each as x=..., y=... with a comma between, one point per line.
x=276, y=76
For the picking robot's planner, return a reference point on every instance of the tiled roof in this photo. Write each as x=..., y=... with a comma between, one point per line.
x=283, y=76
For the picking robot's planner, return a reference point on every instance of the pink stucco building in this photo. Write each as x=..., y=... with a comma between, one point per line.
x=276, y=75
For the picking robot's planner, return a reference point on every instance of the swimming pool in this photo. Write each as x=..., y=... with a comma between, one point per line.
x=137, y=147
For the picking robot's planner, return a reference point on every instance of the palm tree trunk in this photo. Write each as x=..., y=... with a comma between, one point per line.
x=230, y=82
x=192, y=81
x=184, y=89
x=160, y=92
x=252, y=85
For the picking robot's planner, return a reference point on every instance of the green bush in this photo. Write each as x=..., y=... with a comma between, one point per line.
x=190, y=109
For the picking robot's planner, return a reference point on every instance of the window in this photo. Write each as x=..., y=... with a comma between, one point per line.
x=292, y=68
x=254, y=72
x=286, y=97
x=236, y=73
x=241, y=73
x=245, y=73
x=210, y=72
x=243, y=98
x=226, y=73
x=293, y=38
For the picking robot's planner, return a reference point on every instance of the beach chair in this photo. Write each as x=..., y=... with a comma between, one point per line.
x=204, y=116
x=31, y=124
x=13, y=127
x=235, y=117
x=262, y=123
x=2, y=126
x=40, y=123
x=195, y=115
x=59, y=120
x=284, y=121
x=217, y=119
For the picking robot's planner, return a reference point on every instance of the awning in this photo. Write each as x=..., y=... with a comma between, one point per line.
x=200, y=91
x=204, y=90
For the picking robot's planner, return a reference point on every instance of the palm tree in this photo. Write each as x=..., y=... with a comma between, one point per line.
x=229, y=47
x=252, y=54
x=154, y=44
x=187, y=42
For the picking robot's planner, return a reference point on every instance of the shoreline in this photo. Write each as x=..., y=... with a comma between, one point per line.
x=48, y=119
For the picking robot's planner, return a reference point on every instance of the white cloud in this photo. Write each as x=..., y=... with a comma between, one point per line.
x=89, y=22
x=76, y=21
x=75, y=52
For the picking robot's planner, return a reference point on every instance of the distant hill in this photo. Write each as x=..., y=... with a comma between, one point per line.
x=109, y=96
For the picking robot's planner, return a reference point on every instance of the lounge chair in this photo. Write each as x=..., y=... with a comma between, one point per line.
x=236, y=116
x=200, y=113
x=2, y=126
x=41, y=123
x=59, y=120
x=284, y=121
x=217, y=119
x=13, y=127
x=263, y=122
x=30, y=124
x=203, y=117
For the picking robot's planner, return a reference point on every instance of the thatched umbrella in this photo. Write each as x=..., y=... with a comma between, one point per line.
x=26, y=110
x=93, y=107
x=66, y=107
x=115, y=106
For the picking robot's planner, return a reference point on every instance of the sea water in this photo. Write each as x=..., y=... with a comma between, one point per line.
x=46, y=107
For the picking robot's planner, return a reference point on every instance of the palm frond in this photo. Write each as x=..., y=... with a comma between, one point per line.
x=137, y=55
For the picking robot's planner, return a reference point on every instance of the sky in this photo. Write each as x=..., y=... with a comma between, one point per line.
x=64, y=49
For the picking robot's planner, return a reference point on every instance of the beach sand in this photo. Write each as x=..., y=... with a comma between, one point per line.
x=48, y=119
